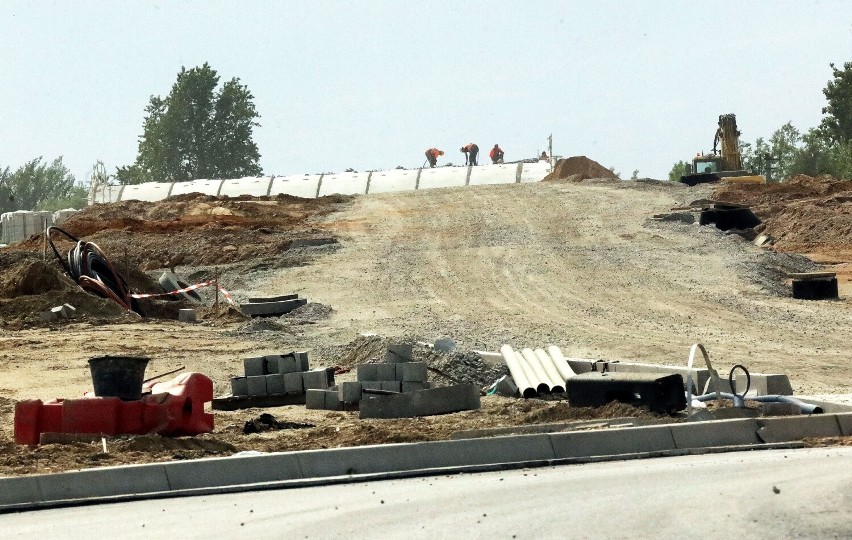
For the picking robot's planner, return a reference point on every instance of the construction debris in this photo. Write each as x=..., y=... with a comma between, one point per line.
x=272, y=306
x=267, y=422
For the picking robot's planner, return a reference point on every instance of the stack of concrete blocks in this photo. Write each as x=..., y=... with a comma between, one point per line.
x=279, y=374
x=397, y=374
x=20, y=225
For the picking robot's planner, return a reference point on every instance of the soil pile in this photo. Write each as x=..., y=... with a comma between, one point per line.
x=803, y=214
x=578, y=168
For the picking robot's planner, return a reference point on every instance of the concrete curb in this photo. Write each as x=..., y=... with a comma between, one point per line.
x=356, y=464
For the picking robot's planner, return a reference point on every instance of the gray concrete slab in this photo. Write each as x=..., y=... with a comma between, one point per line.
x=20, y=490
x=423, y=403
x=104, y=482
x=302, y=359
x=385, y=372
x=715, y=433
x=367, y=372
x=315, y=398
x=844, y=420
x=612, y=442
x=796, y=428
x=412, y=372
x=269, y=309
x=275, y=384
x=315, y=378
x=255, y=366
x=332, y=401
x=284, y=364
x=257, y=385
x=349, y=392
x=239, y=386
x=293, y=383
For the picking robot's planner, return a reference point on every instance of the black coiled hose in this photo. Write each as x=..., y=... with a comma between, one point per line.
x=87, y=265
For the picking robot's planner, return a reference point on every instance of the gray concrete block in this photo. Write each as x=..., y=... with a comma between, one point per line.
x=423, y=403
x=398, y=352
x=699, y=375
x=796, y=428
x=414, y=386
x=283, y=364
x=19, y=490
x=412, y=372
x=302, y=360
x=386, y=372
x=187, y=315
x=231, y=471
x=580, y=365
x=332, y=401
x=367, y=372
x=239, y=386
x=392, y=386
x=69, y=311
x=293, y=383
x=315, y=379
x=716, y=433
x=275, y=384
x=349, y=392
x=104, y=482
x=315, y=398
x=265, y=299
x=49, y=315
x=256, y=385
x=766, y=384
x=255, y=366
x=844, y=420
x=612, y=441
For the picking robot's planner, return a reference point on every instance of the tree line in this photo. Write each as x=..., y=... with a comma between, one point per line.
x=824, y=149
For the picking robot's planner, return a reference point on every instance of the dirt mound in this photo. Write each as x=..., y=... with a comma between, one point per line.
x=578, y=168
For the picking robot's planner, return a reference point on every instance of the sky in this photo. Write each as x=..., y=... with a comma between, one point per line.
x=634, y=85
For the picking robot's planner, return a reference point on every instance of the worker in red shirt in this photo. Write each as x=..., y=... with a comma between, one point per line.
x=471, y=151
x=496, y=154
x=432, y=156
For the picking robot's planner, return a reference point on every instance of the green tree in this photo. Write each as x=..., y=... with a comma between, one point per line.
x=197, y=132
x=838, y=120
x=678, y=170
x=35, y=183
x=784, y=148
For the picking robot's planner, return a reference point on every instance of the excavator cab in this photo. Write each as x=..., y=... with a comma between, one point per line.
x=725, y=162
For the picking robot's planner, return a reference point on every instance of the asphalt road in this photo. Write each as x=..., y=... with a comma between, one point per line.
x=769, y=494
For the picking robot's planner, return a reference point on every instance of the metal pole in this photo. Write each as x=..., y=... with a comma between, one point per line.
x=550, y=150
x=216, y=286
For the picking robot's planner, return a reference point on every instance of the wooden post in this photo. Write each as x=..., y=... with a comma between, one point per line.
x=44, y=232
x=216, y=286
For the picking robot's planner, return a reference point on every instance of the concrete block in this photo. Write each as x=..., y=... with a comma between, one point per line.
x=699, y=375
x=69, y=311
x=504, y=386
x=271, y=309
x=256, y=385
x=414, y=386
x=231, y=471
x=844, y=420
x=399, y=352
x=392, y=386
x=349, y=392
x=239, y=386
x=264, y=299
x=49, y=315
x=442, y=400
x=715, y=433
x=104, y=482
x=187, y=315
x=370, y=385
x=386, y=372
x=332, y=401
x=580, y=365
x=315, y=379
x=796, y=428
x=255, y=366
x=766, y=384
x=283, y=364
x=315, y=398
x=275, y=384
x=293, y=383
x=302, y=360
x=412, y=372
x=19, y=490
x=612, y=441
x=367, y=372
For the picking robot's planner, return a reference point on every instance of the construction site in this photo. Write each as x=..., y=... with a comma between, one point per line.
x=596, y=272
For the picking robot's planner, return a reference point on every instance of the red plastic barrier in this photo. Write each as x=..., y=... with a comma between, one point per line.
x=173, y=408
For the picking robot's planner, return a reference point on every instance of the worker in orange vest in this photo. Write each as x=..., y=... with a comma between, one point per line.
x=432, y=156
x=496, y=154
x=471, y=151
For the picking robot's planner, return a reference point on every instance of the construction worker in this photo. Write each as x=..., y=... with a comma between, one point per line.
x=432, y=156
x=543, y=157
x=471, y=151
x=496, y=154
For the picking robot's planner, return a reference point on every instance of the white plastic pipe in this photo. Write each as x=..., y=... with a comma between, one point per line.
x=518, y=373
x=557, y=385
x=542, y=381
x=528, y=370
x=561, y=363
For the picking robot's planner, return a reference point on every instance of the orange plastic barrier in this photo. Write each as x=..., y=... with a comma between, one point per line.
x=175, y=407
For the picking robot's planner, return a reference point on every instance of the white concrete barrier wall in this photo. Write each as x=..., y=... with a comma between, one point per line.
x=205, y=186
x=344, y=184
x=441, y=177
x=494, y=174
x=256, y=187
x=22, y=224
x=392, y=181
x=149, y=191
x=535, y=172
x=61, y=216
x=299, y=185
x=106, y=194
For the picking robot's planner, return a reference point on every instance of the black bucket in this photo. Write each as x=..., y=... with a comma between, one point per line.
x=118, y=376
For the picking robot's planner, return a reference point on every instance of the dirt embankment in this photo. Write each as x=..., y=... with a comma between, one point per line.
x=578, y=168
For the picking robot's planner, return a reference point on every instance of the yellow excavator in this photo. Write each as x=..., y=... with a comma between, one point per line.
x=725, y=163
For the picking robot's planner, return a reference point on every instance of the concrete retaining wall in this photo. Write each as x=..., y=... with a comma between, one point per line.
x=20, y=225
x=319, y=185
